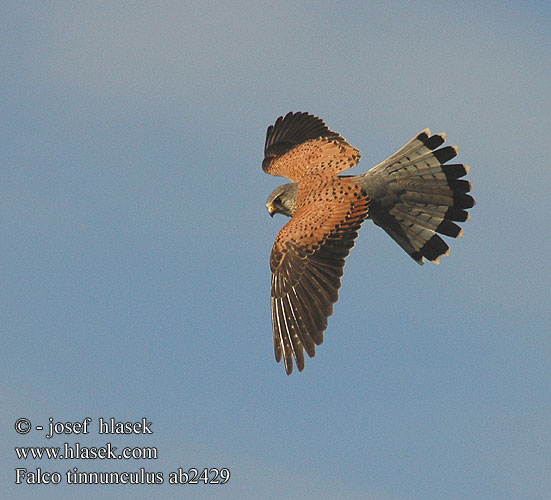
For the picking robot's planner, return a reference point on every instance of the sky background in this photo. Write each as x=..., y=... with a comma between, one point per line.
x=135, y=246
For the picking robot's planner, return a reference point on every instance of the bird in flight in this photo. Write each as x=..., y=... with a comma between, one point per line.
x=412, y=195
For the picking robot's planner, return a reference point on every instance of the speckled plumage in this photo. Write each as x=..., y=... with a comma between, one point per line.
x=307, y=258
x=412, y=195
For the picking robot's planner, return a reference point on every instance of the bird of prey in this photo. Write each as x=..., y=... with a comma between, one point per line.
x=412, y=195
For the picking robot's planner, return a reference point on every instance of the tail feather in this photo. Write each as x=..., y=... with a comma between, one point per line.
x=418, y=146
x=427, y=221
x=415, y=164
x=415, y=195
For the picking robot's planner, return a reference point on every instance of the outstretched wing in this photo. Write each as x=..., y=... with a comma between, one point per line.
x=415, y=195
x=300, y=143
x=307, y=263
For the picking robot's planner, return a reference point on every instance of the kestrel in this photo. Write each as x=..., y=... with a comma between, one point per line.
x=412, y=195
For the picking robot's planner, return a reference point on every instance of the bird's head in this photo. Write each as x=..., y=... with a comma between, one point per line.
x=283, y=200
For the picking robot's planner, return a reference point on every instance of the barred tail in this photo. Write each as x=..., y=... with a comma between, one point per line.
x=415, y=196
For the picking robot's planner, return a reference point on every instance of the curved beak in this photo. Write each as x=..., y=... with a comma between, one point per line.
x=271, y=209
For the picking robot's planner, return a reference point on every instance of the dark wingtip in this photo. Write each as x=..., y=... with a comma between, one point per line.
x=288, y=366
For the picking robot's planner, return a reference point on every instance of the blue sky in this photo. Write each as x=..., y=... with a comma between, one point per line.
x=135, y=244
